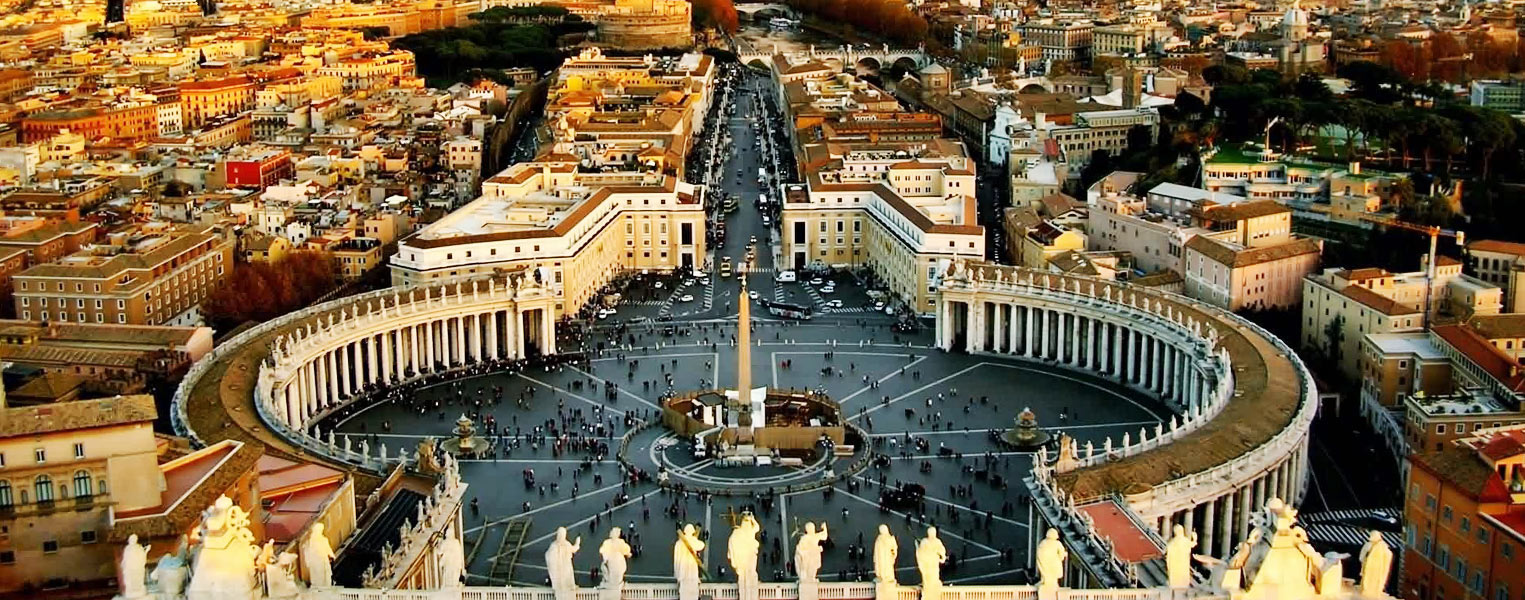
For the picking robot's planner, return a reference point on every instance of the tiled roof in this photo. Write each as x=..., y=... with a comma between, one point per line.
x=1514, y=248
x=1499, y=365
x=77, y=414
x=1377, y=302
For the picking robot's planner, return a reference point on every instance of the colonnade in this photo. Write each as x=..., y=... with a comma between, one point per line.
x=1162, y=361
x=1221, y=522
x=323, y=364
x=1161, y=345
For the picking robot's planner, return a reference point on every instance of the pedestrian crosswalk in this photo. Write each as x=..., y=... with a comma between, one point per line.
x=1347, y=515
x=1345, y=535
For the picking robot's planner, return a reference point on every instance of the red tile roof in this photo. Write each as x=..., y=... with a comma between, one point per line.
x=1466, y=341
x=1128, y=541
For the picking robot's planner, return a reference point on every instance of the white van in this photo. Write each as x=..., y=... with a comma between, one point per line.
x=787, y=277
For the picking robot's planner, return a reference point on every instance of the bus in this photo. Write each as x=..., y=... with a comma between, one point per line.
x=787, y=311
x=725, y=267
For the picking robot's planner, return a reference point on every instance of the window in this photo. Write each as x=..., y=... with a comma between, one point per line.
x=1445, y=513
x=42, y=488
x=7, y=557
x=1466, y=525
x=1507, y=550
x=1443, y=557
x=82, y=484
x=87, y=537
x=41, y=455
x=79, y=451
x=50, y=547
x=5, y=494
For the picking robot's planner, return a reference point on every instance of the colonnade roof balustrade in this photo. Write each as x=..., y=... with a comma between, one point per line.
x=1272, y=397
x=216, y=399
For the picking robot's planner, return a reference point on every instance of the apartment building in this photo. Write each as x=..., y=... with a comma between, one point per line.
x=1248, y=257
x=204, y=101
x=903, y=210
x=64, y=467
x=1352, y=303
x=137, y=121
x=1464, y=519
x=1069, y=41
x=575, y=230
x=154, y=274
x=1499, y=263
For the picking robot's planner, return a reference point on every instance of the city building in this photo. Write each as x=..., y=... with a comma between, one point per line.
x=903, y=210
x=1499, y=263
x=67, y=467
x=1066, y=41
x=1247, y=258
x=154, y=274
x=1464, y=518
x=1508, y=96
x=1342, y=305
x=575, y=230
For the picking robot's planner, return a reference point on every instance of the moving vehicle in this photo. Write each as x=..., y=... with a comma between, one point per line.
x=686, y=298
x=788, y=311
x=786, y=277
x=725, y=268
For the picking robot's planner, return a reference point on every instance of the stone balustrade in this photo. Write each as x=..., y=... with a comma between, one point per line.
x=779, y=591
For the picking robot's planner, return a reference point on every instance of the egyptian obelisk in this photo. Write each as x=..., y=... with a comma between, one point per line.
x=744, y=361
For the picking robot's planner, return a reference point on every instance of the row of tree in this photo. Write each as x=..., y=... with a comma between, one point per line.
x=892, y=20
x=1385, y=118
x=262, y=291
x=500, y=42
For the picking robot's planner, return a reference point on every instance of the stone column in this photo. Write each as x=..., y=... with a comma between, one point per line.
x=1246, y=498
x=974, y=338
x=1027, y=340
x=1226, y=542
x=1012, y=329
x=945, y=324
x=492, y=336
x=1075, y=342
x=365, y=367
x=1043, y=333
x=413, y=349
x=548, y=324
x=519, y=333
x=1131, y=354
x=431, y=353
x=1190, y=520
x=341, y=357
x=1091, y=362
x=1060, y=343
x=460, y=339
x=1209, y=523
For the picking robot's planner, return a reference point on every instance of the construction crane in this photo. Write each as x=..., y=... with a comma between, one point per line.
x=1433, y=231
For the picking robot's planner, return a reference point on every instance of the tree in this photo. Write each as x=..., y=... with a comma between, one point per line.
x=720, y=14
x=263, y=291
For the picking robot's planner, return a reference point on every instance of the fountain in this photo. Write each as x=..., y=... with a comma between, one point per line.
x=466, y=442
x=1026, y=435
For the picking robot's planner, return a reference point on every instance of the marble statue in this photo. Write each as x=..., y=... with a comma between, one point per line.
x=1178, y=557
x=930, y=556
x=1051, y=557
x=742, y=550
x=685, y=562
x=280, y=577
x=1376, y=561
x=223, y=568
x=886, y=549
x=558, y=564
x=132, y=569
x=614, y=551
x=807, y=553
x=316, y=554
x=452, y=562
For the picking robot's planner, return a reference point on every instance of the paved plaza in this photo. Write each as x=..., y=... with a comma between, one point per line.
x=930, y=416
